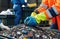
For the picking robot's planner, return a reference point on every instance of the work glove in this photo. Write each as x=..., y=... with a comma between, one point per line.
x=30, y=21
x=35, y=20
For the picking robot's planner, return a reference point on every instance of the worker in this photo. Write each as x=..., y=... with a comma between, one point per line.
x=17, y=7
x=48, y=9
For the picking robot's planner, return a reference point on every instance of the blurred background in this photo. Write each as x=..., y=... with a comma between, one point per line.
x=5, y=4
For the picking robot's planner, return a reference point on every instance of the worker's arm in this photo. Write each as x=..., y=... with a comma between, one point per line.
x=43, y=6
x=35, y=20
x=53, y=11
x=49, y=13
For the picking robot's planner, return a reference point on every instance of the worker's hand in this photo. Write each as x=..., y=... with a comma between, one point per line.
x=30, y=21
x=34, y=20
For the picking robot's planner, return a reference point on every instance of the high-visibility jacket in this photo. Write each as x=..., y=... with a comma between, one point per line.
x=51, y=9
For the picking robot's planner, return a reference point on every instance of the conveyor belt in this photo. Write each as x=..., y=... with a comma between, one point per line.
x=35, y=32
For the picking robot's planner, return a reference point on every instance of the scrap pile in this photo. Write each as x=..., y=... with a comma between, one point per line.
x=24, y=32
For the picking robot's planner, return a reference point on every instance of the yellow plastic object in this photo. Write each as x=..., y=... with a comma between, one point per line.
x=32, y=5
x=33, y=14
x=40, y=17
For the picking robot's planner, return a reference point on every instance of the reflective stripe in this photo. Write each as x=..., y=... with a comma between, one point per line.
x=52, y=12
x=55, y=9
x=49, y=13
x=43, y=5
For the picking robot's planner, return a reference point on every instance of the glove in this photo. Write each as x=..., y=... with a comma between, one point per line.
x=30, y=21
x=35, y=20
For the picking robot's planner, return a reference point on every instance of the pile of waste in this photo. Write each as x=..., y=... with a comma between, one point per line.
x=24, y=32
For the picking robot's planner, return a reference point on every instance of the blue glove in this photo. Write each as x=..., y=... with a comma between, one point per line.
x=30, y=21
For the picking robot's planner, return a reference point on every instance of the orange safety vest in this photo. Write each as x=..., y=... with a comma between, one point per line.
x=46, y=4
